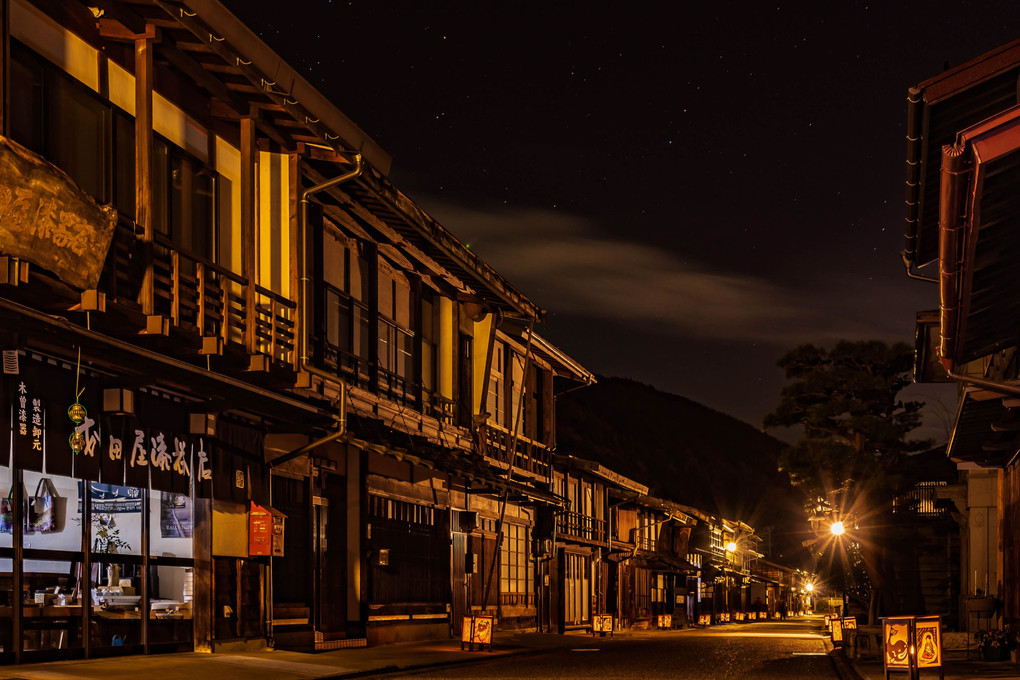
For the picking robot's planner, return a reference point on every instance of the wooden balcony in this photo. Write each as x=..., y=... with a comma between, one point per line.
x=200, y=300
x=526, y=455
x=582, y=527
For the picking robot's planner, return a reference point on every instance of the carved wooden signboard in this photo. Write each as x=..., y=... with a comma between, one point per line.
x=48, y=221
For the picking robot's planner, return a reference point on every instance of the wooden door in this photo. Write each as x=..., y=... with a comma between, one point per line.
x=332, y=555
x=458, y=582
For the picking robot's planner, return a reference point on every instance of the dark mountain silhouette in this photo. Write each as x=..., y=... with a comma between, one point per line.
x=688, y=453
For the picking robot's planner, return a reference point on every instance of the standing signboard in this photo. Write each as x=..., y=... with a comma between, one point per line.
x=928, y=642
x=897, y=636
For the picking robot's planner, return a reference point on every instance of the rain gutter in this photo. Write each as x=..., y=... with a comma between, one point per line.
x=304, y=315
x=915, y=149
x=951, y=223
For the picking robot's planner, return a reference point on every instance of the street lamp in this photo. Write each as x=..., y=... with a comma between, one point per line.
x=810, y=587
x=731, y=547
x=837, y=528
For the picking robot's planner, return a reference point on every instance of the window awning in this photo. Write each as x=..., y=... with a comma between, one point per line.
x=986, y=430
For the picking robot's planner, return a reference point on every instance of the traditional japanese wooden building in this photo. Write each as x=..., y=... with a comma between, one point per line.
x=301, y=412
x=963, y=134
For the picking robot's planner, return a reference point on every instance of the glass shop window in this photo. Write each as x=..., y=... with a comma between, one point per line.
x=171, y=573
x=116, y=526
x=6, y=511
x=171, y=592
x=52, y=605
x=54, y=513
x=171, y=525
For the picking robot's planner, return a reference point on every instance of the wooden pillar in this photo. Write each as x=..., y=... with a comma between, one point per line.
x=143, y=166
x=548, y=410
x=86, y=568
x=248, y=228
x=372, y=257
x=416, y=323
x=298, y=265
x=146, y=509
x=202, y=574
x=18, y=580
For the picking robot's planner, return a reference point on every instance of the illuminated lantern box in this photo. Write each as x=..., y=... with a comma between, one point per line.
x=725, y=617
x=602, y=624
x=847, y=624
x=739, y=616
x=836, y=631
x=477, y=630
x=897, y=635
x=665, y=621
x=751, y=616
x=705, y=619
x=912, y=643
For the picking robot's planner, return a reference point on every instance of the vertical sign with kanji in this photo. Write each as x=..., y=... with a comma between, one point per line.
x=29, y=427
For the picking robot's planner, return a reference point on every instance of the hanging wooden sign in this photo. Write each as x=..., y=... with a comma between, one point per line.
x=48, y=221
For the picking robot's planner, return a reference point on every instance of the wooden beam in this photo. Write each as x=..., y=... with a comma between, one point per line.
x=194, y=70
x=143, y=167
x=132, y=23
x=115, y=29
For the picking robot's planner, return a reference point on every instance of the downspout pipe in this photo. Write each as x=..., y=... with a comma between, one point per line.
x=1005, y=389
x=951, y=225
x=915, y=139
x=305, y=365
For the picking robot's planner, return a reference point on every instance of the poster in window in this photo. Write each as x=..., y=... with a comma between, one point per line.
x=175, y=519
x=108, y=499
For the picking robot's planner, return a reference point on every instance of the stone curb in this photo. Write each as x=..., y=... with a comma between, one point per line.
x=844, y=668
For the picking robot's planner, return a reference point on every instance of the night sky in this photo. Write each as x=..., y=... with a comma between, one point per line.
x=688, y=188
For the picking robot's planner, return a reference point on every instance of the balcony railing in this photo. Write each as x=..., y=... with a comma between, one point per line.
x=576, y=525
x=200, y=296
x=517, y=599
x=527, y=455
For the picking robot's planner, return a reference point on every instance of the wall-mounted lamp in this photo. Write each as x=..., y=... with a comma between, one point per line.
x=203, y=424
x=119, y=401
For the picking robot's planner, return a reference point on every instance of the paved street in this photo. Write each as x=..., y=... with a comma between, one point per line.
x=764, y=651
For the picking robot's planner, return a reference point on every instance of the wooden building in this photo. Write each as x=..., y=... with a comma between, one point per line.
x=311, y=417
x=963, y=133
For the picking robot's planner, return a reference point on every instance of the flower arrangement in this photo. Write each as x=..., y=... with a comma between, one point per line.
x=106, y=536
x=995, y=643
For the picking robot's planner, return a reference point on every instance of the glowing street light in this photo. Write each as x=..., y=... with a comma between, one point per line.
x=837, y=529
x=810, y=587
x=731, y=547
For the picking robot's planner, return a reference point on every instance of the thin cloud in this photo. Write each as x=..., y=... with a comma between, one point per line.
x=567, y=265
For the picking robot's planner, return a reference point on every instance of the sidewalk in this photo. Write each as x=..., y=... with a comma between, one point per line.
x=956, y=667
x=278, y=665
